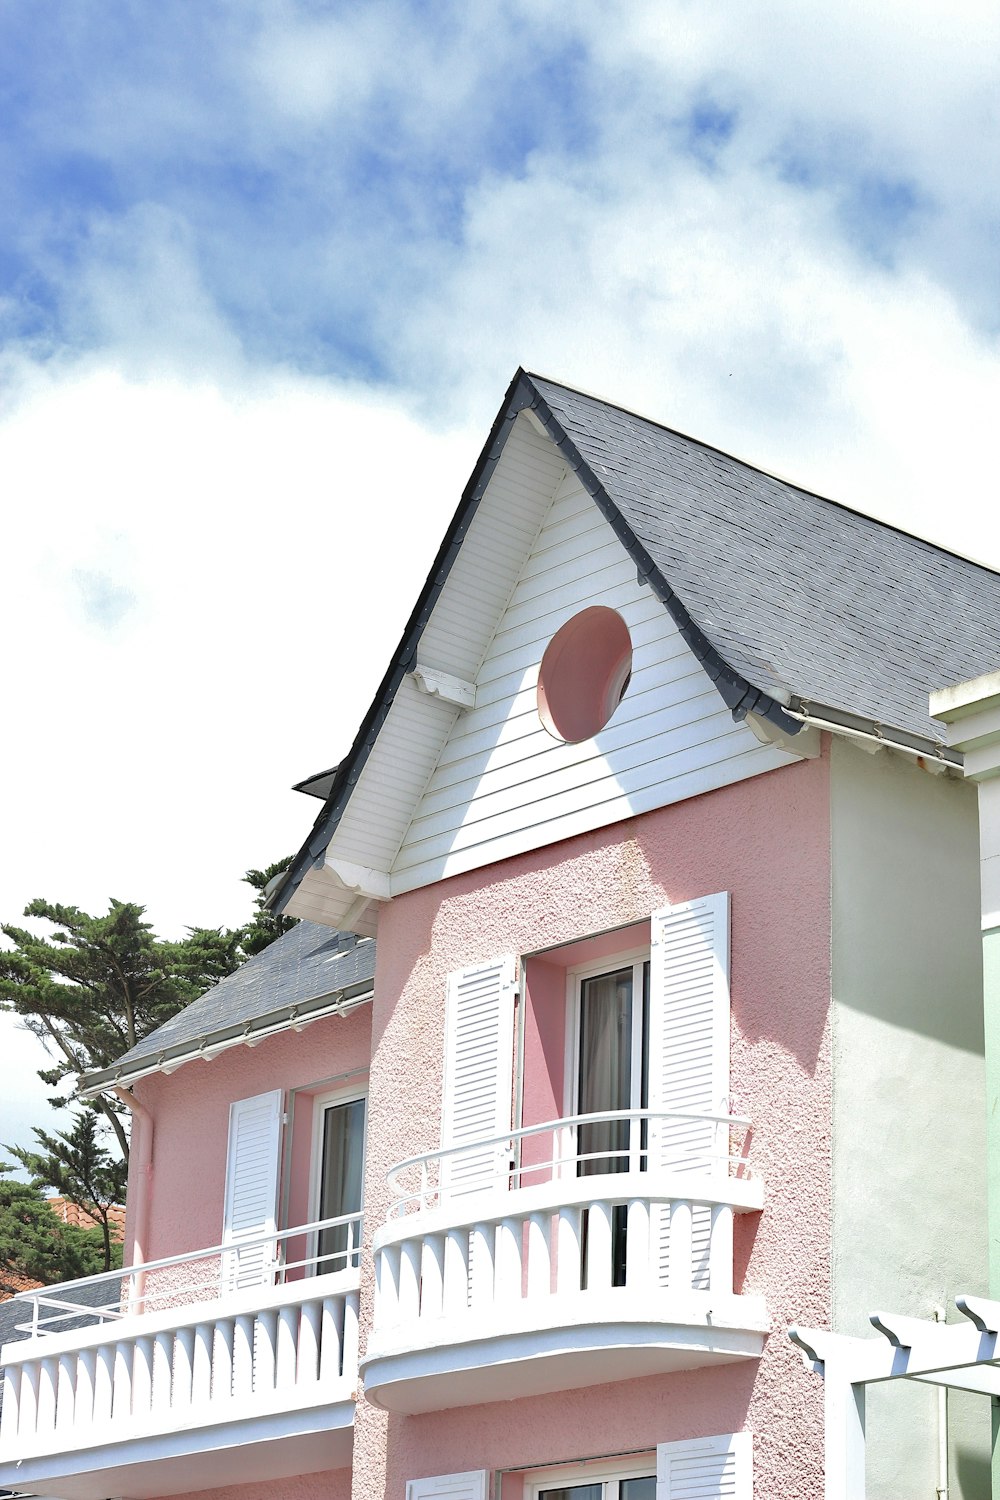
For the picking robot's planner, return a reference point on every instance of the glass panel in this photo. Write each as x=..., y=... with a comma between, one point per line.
x=574, y=1492
x=341, y=1173
x=605, y=1069
x=638, y=1489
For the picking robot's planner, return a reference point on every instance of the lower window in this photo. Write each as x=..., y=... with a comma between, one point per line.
x=623, y=1479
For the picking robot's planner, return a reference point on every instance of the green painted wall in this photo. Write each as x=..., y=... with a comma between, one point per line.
x=908, y=1147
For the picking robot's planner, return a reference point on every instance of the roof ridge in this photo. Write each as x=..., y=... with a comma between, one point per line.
x=755, y=468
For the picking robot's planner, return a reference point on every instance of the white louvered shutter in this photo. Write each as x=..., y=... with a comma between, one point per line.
x=251, y=1205
x=478, y=1073
x=689, y=1052
x=473, y=1485
x=712, y=1468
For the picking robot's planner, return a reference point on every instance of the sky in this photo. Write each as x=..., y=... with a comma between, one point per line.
x=266, y=270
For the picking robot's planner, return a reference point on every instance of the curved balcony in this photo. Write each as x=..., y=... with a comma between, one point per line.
x=497, y=1280
x=225, y=1367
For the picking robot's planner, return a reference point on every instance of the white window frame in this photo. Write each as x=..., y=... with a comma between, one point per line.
x=346, y=1094
x=609, y=1472
x=637, y=958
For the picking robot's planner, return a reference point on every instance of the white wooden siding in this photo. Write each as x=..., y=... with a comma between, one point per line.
x=503, y=785
x=455, y=640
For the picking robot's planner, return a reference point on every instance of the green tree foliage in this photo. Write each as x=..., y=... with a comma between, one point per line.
x=34, y=1245
x=95, y=986
x=265, y=926
x=90, y=989
x=82, y=1171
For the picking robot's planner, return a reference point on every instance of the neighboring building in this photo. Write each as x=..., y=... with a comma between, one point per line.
x=654, y=829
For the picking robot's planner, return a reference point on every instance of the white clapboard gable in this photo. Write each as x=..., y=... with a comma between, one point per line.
x=473, y=1485
x=689, y=1053
x=502, y=784
x=251, y=1201
x=711, y=1468
x=478, y=1072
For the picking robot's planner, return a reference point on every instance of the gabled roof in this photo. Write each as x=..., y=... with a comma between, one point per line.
x=309, y=972
x=792, y=603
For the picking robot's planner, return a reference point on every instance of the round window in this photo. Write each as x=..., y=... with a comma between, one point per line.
x=584, y=674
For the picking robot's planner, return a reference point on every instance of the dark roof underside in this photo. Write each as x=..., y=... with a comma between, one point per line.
x=801, y=596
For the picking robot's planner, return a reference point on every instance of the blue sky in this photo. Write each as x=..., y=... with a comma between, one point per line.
x=267, y=267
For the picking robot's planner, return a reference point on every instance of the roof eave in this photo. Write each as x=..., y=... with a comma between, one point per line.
x=241, y=1033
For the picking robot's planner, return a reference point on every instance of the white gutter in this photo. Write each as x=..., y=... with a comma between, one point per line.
x=935, y=753
x=209, y=1045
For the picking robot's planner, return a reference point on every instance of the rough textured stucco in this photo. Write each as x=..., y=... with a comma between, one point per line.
x=907, y=1033
x=190, y=1109
x=765, y=841
x=332, y=1484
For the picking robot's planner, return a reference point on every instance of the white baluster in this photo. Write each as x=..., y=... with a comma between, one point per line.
x=307, y=1369
x=508, y=1271
x=351, y=1337
x=183, y=1367
x=387, y=1270
x=201, y=1365
x=46, y=1416
x=288, y=1338
x=11, y=1402
x=568, y=1258
x=637, y=1261
x=539, y=1256
x=243, y=1330
x=720, y=1252
x=142, y=1377
x=332, y=1339
x=409, y=1281
x=599, y=1246
x=481, y=1266
x=29, y=1399
x=163, y=1372
x=432, y=1276
x=222, y=1359
x=455, y=1294
x=104, y=1384
x=65, y=1392
x=680, y=1246
x=83, y=1405
x=121, y=1398
x=265, y=1352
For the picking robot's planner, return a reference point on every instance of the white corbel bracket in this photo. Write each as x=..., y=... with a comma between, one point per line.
x=442, y=685
x=373, y=885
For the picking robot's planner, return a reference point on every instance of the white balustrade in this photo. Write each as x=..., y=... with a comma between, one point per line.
x=577, y=1224
x=263, y=1348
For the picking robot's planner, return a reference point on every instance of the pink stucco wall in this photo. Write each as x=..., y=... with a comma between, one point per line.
x=766, y=841
x=190, y=1110
x=332, y=1484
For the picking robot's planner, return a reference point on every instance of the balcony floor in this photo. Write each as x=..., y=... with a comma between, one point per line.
x=558, y=1344
x=241, y=1451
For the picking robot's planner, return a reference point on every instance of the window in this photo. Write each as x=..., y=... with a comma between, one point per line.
x=619, y=1479
x=338, y=1176
x=584, y=674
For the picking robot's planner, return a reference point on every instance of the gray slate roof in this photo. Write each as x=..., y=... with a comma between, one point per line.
x=802, y=597
x=306, y=963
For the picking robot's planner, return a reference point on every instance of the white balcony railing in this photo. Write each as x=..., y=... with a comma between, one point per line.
x=181, y=1346
x=521, y=1248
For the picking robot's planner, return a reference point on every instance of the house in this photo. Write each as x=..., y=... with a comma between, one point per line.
x=671, y=1034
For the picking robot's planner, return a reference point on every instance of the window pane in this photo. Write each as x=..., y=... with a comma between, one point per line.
x=342, y=1168
x=638, y=1489
x=574, y=1492
x=605, y=1069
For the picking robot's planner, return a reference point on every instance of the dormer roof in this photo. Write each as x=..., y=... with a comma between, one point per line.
x=796, y=607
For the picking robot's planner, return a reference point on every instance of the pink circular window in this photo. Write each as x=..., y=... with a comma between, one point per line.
x=584, y=674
